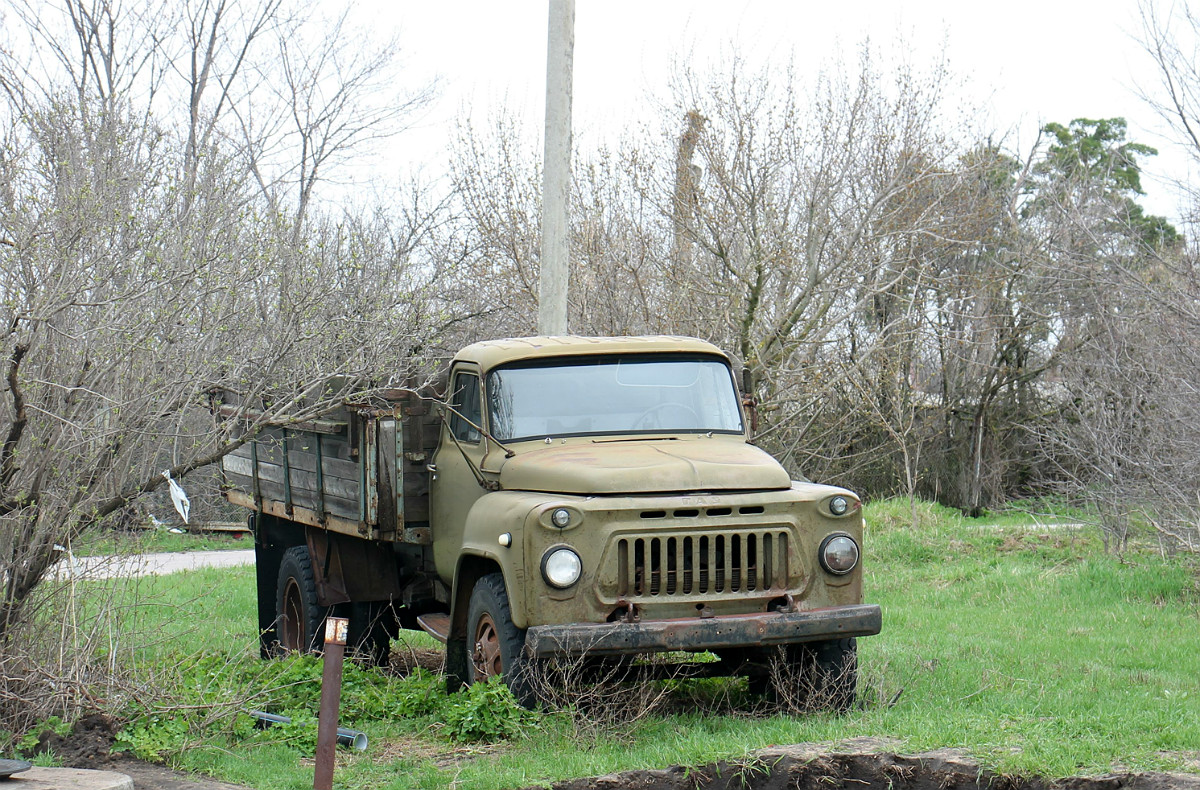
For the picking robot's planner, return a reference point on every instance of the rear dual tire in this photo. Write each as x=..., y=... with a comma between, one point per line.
x=301, y=624
x=300, y=618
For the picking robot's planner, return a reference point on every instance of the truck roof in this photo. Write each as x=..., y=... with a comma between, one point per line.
x=491, y=353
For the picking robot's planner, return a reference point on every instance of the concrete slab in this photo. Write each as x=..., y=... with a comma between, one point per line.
x=148, y=564
x=38, y=778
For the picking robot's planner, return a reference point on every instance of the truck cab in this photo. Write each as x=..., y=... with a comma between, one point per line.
x=600, y=497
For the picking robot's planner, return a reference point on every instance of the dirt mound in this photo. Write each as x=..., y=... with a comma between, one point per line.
x=807, y=767
x=88, y=746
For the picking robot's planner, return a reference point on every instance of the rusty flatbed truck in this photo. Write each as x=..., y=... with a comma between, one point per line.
x=570, y=497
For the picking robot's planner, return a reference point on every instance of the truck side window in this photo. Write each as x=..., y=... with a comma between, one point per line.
x=465, y=400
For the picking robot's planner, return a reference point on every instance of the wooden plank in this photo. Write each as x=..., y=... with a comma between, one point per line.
x=333, y=448
x=305, y=516
x=335, y=505
x=389, y=517
x=300, y=480
x=370, y=488
x=334, y=467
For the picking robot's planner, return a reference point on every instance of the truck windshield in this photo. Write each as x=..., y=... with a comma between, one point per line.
x=574, y=397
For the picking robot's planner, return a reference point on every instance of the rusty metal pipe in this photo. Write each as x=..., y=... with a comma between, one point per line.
x=353, y=739
x=336, y=629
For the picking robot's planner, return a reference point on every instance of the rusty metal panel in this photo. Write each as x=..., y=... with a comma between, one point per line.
x=348, y=569
x=704, y=633
x=397, y=465
x=370, y=460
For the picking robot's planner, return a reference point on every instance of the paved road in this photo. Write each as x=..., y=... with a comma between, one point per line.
x=149, y=564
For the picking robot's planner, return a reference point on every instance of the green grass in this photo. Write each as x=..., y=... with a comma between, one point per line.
x=1028, y=647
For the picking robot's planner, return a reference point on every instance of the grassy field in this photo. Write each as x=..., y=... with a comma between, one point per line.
x=144, y=541
x=1024, y=644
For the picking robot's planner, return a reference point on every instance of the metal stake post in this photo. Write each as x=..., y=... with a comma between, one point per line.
x=336, y=629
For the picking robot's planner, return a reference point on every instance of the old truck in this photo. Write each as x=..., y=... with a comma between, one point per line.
x=565, y=498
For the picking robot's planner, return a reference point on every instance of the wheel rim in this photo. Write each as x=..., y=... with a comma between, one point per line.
x=485, y=657
x=291, y=621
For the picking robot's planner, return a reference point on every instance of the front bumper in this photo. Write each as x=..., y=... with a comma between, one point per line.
x=709, y=633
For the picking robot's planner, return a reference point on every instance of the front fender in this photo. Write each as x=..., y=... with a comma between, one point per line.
x=493, y=515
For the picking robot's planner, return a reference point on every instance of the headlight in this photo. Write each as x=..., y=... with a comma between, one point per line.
x=838, y=554
x=838, y=506
x=561, y=567
x=561, y=518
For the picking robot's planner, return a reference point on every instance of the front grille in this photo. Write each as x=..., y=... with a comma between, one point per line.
x=702, y=564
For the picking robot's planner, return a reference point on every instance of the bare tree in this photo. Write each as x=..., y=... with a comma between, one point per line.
x=1171, y=39
x=329, y=101
x=136, y=283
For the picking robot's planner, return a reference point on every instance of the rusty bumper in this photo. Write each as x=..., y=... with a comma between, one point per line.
x=711, y=633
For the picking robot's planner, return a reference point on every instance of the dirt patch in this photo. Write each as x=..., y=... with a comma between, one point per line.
x=416, y=750
x=90, y=746
x=403, y=660
x=147, y=776
x=808, y=767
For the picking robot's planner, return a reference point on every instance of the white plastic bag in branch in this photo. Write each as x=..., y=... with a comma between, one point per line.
x=178, y=496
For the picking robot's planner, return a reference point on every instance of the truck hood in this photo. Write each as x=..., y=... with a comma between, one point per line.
x=636, y=467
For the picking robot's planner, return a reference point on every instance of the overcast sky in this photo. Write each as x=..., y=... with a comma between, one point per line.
x=1024, y=62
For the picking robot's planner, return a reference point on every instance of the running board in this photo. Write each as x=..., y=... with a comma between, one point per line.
x=436, y=625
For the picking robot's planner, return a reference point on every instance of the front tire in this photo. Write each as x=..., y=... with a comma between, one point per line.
x=494, y=646
x=833, y=666
x=812, y=676
x=300, y=624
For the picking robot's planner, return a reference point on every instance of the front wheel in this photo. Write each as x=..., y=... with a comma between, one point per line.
x=833, y=666
x=812, y=676
x=494, y=646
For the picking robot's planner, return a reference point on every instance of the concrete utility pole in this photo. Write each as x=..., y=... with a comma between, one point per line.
x=556, y=170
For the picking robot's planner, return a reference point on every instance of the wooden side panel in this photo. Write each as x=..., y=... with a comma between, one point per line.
x=391, y=501
x=288, y=474
x=420, y=438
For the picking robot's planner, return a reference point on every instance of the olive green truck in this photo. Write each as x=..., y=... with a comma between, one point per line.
x=567, y=498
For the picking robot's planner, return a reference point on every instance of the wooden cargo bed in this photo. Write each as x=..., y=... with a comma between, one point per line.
x=361, y=471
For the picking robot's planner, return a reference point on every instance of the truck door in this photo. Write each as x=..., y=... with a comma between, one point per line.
x=454, y=486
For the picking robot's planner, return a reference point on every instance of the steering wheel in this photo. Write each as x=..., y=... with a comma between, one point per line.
x=644, y=416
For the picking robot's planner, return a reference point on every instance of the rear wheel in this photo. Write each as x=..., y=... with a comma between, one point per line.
x=300, y=618
x=372, y=625
x=495, y=647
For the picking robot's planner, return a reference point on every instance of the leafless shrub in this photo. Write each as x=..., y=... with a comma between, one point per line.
x=798, y=683
x=602, y=697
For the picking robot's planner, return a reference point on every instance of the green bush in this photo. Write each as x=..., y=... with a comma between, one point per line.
x=486, y=712
x=153, y=737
